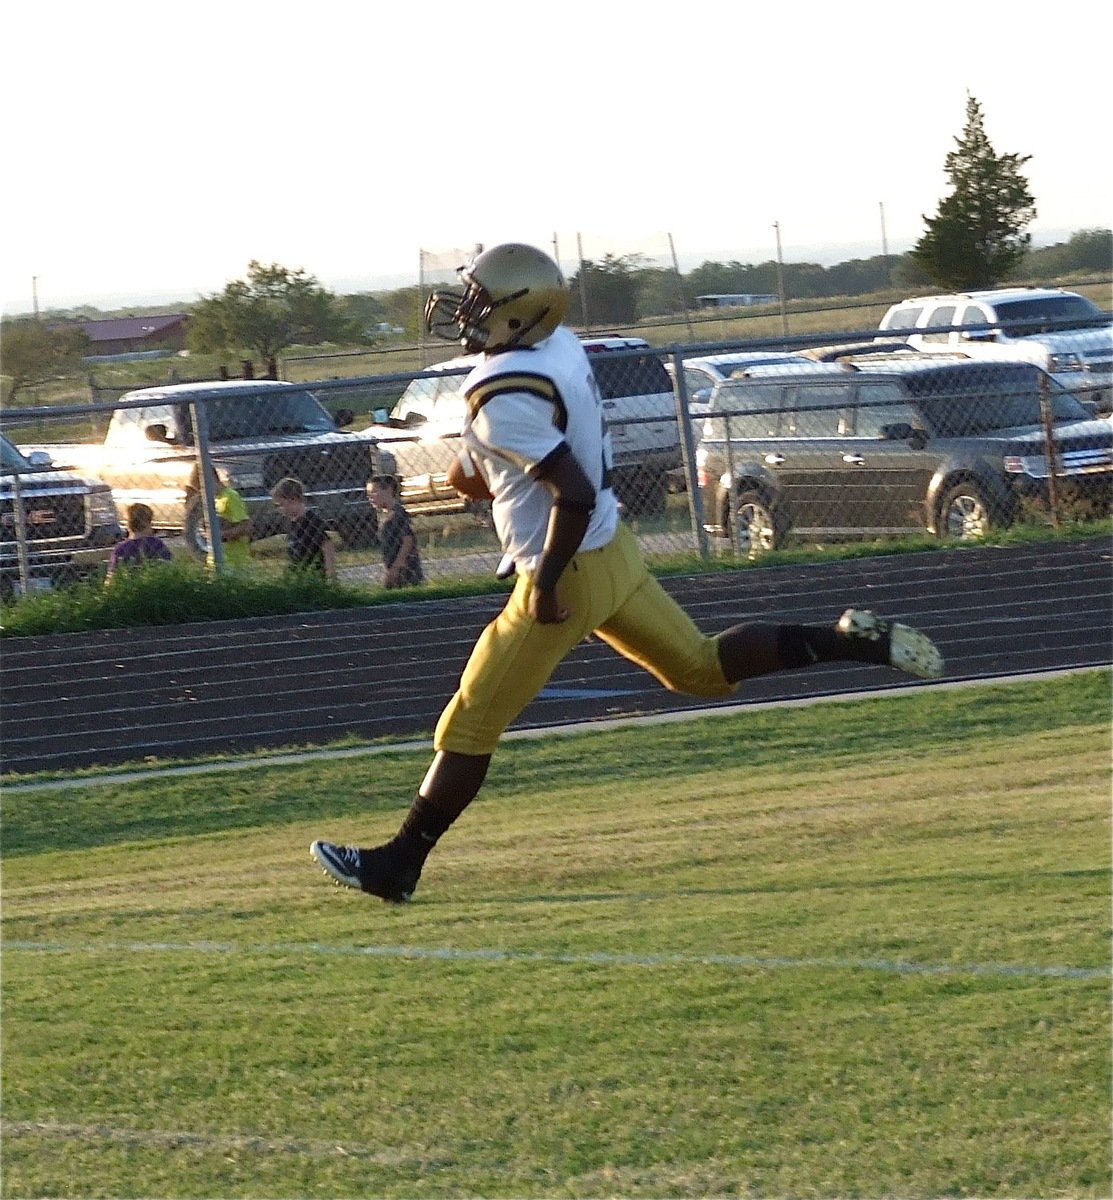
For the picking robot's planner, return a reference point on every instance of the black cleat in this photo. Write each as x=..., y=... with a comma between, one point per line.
x=370, y=871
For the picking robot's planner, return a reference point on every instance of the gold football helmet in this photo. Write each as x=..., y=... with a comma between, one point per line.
x=514, y=295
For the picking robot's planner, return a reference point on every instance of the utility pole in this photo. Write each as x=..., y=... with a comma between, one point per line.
x=884, y=242
x=35, y=296
x=781, y=280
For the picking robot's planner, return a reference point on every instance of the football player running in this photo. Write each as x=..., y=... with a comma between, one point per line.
x=536, y=442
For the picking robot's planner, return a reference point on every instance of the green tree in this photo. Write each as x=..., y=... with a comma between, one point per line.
x=1088, y=250
x=976, y=237
x=607, y=290
x=32, y=352
x=270, y=310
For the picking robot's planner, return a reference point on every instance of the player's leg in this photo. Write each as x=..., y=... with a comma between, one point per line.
x=510, y=663
x=756, y=648
x=651, y=629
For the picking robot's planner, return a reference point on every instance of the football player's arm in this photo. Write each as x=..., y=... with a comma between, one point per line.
x=573, y=502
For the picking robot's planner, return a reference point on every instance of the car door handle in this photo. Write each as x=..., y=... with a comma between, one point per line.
x=854, y=460
x=774, y=460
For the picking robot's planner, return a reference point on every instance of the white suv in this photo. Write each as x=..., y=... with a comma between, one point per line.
x=423, y=429
x=1062, y=332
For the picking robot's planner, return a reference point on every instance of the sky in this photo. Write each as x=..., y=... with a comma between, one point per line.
x=153, y=151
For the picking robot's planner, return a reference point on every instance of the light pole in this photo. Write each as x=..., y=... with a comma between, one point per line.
x=781, y=280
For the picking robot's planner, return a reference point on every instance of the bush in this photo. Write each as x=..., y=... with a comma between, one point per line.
x=172, y=594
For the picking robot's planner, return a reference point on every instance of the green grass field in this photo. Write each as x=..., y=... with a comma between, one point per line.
x=853, y=949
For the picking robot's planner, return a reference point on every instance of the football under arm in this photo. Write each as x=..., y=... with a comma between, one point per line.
x=465, y=476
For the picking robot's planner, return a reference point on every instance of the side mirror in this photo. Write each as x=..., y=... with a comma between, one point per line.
x=344, y=417
x=414, y=419
x=40, y=458
x=978, y=335
x=156, y=432
x=899, y=431
x=381, y=415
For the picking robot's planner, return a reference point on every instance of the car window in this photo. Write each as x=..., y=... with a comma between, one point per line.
x=277, y=411
x=881, y=404
x=449, y=407
x=128, y=424
x=755, y=411
x=974, y=314
x=987, y=409
x=12, y=458
x=1026, y=316
x=943, y=315
x=417, y=399
x=635, y=375
x=817, y=411
x=697, y=379
x=905, y=317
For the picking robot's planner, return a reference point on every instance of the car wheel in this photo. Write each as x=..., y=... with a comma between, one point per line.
x=964, y=512
x=759, y=527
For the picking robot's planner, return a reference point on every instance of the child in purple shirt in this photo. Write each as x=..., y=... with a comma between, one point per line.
x=141, y=545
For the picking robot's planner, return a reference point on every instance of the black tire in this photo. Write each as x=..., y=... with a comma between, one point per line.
x=761, y=527
x=965, y=512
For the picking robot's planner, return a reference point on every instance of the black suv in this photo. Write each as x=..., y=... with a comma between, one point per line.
x=890, y=445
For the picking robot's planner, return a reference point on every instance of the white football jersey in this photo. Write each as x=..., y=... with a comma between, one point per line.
x=521, y=405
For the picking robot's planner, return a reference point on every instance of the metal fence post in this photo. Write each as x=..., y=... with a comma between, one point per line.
x=206, y=478
x=688, y=454
x=1051, y=451
x=19, y=516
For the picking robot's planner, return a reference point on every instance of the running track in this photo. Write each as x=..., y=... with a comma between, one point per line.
x=117, y=697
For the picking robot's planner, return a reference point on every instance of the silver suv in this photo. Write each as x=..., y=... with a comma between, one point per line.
x=1062, y=332
x=890, y=446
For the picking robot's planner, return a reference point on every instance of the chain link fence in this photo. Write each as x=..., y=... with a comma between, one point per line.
x=719, y=449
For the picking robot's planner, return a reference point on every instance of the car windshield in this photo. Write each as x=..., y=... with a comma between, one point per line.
x=629, y=375
x=1024, y=317
x=965, y=415
x=281, y=410
x=11, y=460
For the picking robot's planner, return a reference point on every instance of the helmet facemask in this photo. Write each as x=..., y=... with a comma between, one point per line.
x=530, y=304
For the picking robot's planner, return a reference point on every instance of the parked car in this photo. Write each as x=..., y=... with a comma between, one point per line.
x=701, y=374
x=67, y=524
x=422, y=431
x=890, y=445
x=1060, y=331
x=258, y=431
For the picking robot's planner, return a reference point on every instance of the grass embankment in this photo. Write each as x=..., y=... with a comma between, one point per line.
x=183, y=591
x=857, y=949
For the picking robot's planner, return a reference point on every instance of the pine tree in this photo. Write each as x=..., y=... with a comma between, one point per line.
x=976, y=237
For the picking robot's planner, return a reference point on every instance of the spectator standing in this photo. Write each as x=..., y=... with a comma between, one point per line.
x=396, y=534
x=308, y=545
x=233, y=517
x=141, y=545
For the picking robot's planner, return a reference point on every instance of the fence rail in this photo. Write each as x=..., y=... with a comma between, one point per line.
x=718, y=448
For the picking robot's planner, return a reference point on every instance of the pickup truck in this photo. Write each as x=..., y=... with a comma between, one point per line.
x=258, y=432
x=422, y=431
x=67, y=524
x=1060, y=331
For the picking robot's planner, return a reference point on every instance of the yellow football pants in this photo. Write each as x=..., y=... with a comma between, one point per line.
x=610, y=593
